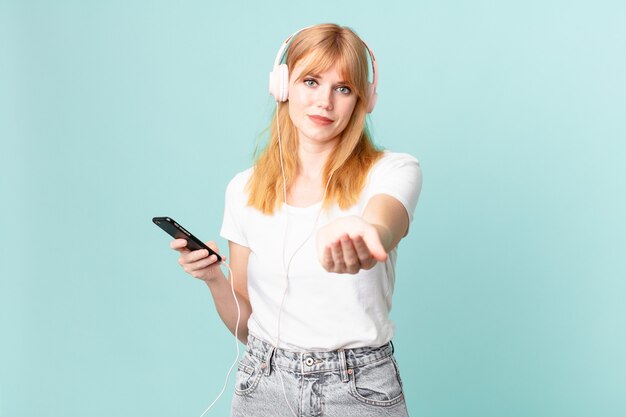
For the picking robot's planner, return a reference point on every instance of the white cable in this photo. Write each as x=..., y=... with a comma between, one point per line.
x=286, y=268
x=282, y=170
x=282, y=304
x=232, y=288
x=288, y=264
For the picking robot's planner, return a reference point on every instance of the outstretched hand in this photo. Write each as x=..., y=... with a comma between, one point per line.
x=349, y=244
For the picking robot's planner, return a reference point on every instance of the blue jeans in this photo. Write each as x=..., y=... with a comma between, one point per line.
x=361, y=382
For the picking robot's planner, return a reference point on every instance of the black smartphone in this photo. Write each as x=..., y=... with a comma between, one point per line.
x=179, y=232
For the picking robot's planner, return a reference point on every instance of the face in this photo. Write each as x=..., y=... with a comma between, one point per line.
x=320, y=105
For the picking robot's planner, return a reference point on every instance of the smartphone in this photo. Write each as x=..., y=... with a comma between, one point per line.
x=179, y=232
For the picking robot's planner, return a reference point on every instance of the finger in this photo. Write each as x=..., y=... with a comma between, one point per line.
x=201, y=264
x=337, y=254
x=363, y=252
x=212, y=245
x=327, y=259
x=350, y=255
x=179, y=244
x=194, y=256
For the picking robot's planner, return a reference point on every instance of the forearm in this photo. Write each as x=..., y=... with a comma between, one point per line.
x=390, y=219
x=387, y=239
x=227, y=308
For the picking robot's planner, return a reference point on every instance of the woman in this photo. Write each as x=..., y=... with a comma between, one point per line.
x=313, y=229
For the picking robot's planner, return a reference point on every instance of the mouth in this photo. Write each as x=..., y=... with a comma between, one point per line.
x=320, y=120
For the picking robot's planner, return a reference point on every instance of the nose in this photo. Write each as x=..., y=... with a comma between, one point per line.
x=325, y=98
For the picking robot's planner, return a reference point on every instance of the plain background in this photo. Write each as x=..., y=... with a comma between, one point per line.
x=511, y=296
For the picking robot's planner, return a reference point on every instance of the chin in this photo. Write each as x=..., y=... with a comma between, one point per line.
x=317, y=137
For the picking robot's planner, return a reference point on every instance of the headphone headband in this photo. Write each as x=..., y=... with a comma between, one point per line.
x=279, y=77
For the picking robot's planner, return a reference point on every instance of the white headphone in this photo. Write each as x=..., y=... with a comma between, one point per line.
x=279, y=77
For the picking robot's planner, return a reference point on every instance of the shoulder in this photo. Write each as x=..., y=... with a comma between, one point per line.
x=398, y=175
x=236, y=189
x=395, y=161
x=239, y=181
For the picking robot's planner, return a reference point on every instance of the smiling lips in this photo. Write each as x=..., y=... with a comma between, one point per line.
x=320, y=120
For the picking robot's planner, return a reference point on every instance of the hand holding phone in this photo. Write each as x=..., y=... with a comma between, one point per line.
x=178, y=232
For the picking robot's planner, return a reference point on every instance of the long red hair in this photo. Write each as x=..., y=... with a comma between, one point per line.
x=330, y=46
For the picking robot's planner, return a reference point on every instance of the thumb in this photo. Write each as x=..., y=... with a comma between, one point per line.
x=372, y=240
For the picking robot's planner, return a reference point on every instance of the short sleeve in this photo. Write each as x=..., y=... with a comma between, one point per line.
x=398, y=175
x=234, y=205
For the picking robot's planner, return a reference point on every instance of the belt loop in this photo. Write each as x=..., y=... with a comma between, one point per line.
x=343, y=366
x=268, y=360
x=392, y=348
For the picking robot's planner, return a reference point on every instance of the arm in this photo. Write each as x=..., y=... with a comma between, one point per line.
x=390, y=219
x=199, y=265
x=352, y=243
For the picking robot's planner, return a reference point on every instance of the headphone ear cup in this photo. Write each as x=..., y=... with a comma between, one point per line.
x=279, y=82
x=372, y=97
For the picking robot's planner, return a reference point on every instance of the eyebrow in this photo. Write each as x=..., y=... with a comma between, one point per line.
x=313, y=75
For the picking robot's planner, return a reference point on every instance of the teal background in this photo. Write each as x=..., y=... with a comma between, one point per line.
x=510, y=296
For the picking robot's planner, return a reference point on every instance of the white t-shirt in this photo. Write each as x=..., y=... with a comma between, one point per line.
x=322, y=310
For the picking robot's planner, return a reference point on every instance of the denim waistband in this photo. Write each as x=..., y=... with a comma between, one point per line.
x=313, y=362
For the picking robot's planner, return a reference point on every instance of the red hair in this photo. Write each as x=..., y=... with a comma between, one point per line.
x=330, y=46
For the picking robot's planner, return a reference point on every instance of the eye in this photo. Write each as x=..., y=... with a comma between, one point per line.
x=309, y=82
x=344, y=90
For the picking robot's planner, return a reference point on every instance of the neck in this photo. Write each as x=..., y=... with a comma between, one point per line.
x=312, y=158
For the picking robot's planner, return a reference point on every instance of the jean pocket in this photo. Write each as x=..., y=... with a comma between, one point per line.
x=377, y=383
x=248, y=375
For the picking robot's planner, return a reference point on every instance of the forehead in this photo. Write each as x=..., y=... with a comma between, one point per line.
x=304, y=68
x=317, y=63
